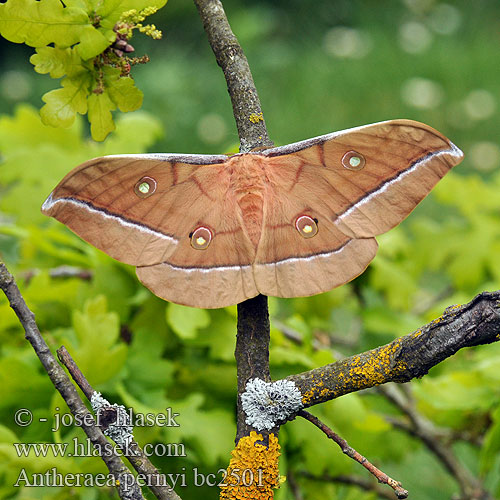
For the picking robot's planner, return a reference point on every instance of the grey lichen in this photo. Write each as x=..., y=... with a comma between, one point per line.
x=267, y=403
x=120, y=430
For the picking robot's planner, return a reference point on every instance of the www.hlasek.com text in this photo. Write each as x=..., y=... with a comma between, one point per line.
x=78, y=448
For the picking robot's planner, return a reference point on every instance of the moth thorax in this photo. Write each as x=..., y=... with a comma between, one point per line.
x=248, y=184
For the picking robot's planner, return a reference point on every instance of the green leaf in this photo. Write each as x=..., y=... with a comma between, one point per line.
x=6, y=435
x=98, y=352
x=491, y=447
x=63, y=104
x=26, y=123
x=40, y=23
x=141, y=4
x=210, y=446
x=134, y=132
x=93, y=42
x=222, y=340
x=186, y=321
x=55, y=61
x=100, y=117
x=19, y=376
x=459, y=390
x=125, y=94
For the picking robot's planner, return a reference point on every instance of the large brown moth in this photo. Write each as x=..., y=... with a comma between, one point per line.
x=297, y=220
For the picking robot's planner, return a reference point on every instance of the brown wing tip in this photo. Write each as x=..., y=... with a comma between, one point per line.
x=455, y=151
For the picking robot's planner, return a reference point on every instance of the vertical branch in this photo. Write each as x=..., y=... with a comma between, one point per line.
x=252, y=344
x=230, y=57
x=252, y=351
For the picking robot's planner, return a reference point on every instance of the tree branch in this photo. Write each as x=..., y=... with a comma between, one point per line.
x=241, y=87
x=408, y=357
x=382, y=477
x=156, y=481
x=252, y=342
x=125, y=483
x=361, y=483
x=434, y=439
x=61, y=272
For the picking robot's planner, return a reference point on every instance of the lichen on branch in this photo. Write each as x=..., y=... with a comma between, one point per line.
x=253, y=469
x=408, y=357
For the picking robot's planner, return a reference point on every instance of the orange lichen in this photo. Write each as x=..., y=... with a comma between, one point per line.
x=253, y=470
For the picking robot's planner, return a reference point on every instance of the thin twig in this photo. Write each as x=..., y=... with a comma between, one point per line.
x=61, y=272
x=127, y=487
x=382, y=477
x=434, y=439
x=361, y=483
x=293, y=485
x=156, y=481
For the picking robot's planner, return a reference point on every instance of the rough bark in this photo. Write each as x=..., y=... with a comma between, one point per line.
x=408, y=357
x=252, y=342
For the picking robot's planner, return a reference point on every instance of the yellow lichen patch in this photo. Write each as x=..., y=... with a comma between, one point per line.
x=253, y=470
x=417, y=333
x=308, y=396
x=356, y=361
x=376, y=368
x=256, y=117
x=317, y=390
x=325, y=392
x=437, y=320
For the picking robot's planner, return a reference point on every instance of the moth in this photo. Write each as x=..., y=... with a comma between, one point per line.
x=297, y=220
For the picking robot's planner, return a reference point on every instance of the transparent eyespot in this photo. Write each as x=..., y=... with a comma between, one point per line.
x=353, y=160
x=145, y=187
x=201, y=238
x=306, y=226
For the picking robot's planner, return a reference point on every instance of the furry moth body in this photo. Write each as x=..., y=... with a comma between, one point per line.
x=213, y=230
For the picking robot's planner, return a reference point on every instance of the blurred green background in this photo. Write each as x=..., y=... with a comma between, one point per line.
x=319, y=67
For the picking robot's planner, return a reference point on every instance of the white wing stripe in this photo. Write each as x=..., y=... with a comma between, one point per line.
x=50, y=202
x=454, y=151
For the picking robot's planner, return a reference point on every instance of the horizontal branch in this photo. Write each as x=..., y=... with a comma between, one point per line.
x=361, y=483
x=61, y=272
x=408, y=357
